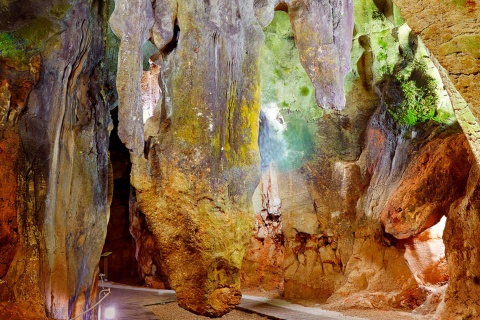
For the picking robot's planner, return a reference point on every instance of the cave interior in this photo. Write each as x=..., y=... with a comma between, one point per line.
x=321, y=152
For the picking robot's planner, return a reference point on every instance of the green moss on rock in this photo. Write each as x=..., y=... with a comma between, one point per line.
x=37, y=32
x=399, y=60
x=13, y=48
x=418, y=95
x=20, y=45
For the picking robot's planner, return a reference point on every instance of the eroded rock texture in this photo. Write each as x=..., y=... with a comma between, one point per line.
x=418, y=203
x=462, y=243
x=262, y=267
x=323, y=56
x=195, y=174
x=55, y=139
x=151, y=265
x=425, y=255
x=346, y=198
x=17, y=81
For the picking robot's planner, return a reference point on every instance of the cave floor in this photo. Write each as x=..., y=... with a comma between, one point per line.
x=151, y=304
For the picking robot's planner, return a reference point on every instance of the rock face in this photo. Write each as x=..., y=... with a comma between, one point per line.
x=54, y=134
x=262, y=267
x=323, y=56
x=418, y=202
x=195, y=163
x=425, y=255
x=457, y=51
x=196, y=181
x=151, y=266
x=17, y=78
x=462, y=243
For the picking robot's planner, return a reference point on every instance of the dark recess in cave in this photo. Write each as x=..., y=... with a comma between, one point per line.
x=122, y=265
x=282, y=6
x=169, y=47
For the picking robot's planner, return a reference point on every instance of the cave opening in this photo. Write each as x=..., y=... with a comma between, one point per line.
x=425, y=255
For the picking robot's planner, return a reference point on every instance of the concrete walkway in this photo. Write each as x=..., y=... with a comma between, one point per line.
x=130, y=303
x=281, y=309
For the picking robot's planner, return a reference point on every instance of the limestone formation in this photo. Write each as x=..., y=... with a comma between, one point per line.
x=363, y=176
x=195, y=176
x=449, y=29
x=151, y=265
x=54, y=132
x=461, y=241
x=418, y=202
x=262, y=267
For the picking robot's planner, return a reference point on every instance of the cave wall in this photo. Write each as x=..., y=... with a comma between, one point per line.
x=370, y=178
x=55, y=125
x=461, y=241
x=450, y=30
x=62, y=128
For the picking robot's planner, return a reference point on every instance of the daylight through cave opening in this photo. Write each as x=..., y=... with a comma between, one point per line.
x=286, y=125
x=288, y=106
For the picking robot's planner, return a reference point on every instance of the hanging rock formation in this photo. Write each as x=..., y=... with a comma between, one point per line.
x=419, y=202
x=195, y=174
